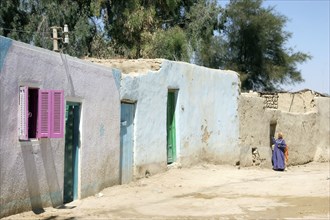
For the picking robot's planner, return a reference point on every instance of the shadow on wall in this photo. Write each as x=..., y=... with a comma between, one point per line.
x=30, y=153
x=50, y=170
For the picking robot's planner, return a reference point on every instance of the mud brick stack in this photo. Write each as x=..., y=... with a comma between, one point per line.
x=270, y=100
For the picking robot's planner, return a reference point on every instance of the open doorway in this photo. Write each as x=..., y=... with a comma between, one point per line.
x=272, y=129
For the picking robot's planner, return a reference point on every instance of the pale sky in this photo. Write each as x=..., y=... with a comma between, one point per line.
x=309, y=25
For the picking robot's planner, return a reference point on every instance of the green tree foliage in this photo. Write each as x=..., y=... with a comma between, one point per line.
x=13, y=18
x=30, y=21
x=170, y=44
x=256, y=46
x=244, y=36
x=134, y=25
x=204, y=20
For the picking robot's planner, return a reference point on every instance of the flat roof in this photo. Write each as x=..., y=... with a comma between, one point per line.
x=130, y=66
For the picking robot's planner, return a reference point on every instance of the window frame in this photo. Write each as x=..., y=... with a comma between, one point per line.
x=50, y=113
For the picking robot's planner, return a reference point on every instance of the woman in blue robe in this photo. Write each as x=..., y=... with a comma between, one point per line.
x=278, y=157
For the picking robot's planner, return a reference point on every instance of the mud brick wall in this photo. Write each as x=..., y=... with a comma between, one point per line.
x=270, y=100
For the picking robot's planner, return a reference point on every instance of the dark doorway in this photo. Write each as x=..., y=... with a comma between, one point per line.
x=32, y=112
x=272, y=129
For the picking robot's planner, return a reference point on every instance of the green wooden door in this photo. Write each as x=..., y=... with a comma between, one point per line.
x=171, y=139
x=71, y=154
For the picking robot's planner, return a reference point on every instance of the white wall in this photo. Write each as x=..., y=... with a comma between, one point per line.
x=31, y=173
x=206, y=115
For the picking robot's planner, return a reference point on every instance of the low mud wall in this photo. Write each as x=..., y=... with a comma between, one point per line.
x=302, y=117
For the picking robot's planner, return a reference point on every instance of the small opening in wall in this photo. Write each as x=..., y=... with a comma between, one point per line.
x=272, y=129
x=32, y=112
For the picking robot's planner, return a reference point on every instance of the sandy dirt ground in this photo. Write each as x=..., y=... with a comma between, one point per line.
x=208, y=192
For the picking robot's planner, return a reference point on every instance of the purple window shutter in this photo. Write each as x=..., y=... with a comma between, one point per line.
x=23, y=113
x=44, y=113
x=57, y=114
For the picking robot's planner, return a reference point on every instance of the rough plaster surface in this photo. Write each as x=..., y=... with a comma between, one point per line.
x=296, y=102
x=253, y=129
x=323, y=124
x=31, y=172
x=206, y=115
x=305, y=128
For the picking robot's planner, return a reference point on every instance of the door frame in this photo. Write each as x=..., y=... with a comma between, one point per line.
x=134, y=106
x=175, y=153
x=76, y=152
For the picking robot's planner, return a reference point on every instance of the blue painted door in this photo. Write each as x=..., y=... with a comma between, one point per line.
x=126, y=142
x=71, y=154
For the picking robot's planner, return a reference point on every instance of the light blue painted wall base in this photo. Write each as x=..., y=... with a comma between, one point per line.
x=5, y=44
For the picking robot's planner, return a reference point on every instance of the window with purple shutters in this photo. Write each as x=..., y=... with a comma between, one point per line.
x=41, y=113
x=44, y=114
x=57, y=116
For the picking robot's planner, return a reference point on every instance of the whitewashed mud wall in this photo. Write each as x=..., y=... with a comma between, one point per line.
x=206, y=115
x=31, y=172
x=306, y=128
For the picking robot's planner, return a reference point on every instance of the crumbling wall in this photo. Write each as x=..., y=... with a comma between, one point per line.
x=302, y=117
x=270, y=100
x=299, y=131
x=322, y=136
x=298, y=102
x=254, y=131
